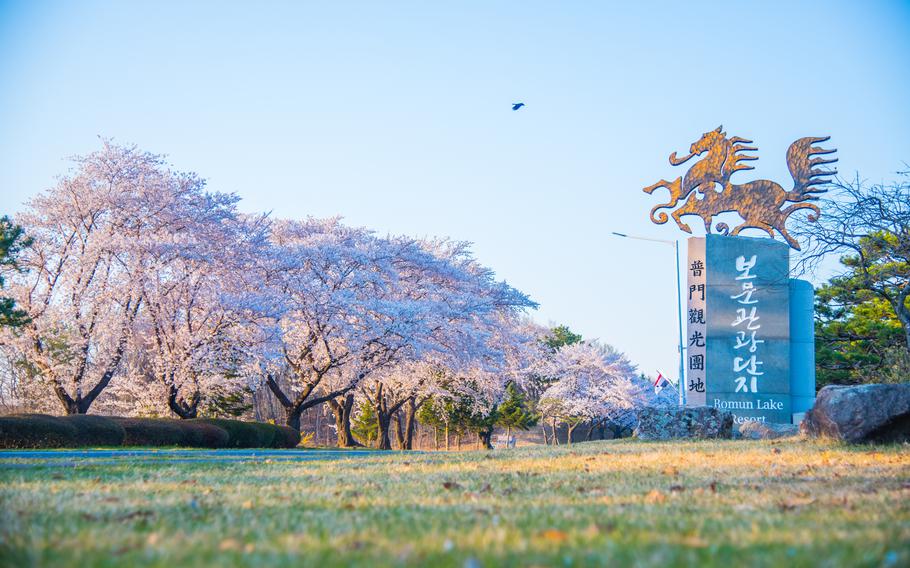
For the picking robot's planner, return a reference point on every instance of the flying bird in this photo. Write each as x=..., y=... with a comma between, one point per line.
x=516, y=106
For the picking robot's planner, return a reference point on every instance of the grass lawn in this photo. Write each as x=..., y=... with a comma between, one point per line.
x=731, y=503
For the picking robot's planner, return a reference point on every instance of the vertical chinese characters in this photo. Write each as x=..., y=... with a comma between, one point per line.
x=745, y=363
x=697, y=324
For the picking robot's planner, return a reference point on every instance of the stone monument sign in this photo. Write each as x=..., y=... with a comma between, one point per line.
x=741, y=302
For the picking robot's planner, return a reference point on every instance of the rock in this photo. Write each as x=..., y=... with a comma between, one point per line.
x=670, y=423
x=865, y=413
x=754, y=430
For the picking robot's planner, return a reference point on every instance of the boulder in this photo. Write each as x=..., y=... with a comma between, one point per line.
x=670, y=423
x=754, y=430
x=864, y=413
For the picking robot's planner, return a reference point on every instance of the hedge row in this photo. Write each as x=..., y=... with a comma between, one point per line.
x=43, y=431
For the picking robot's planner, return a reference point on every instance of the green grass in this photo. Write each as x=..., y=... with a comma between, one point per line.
x=732, y=503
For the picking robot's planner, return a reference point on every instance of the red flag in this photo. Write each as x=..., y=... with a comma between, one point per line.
x=661, y=382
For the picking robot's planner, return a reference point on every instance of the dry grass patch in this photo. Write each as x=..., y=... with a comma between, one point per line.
x=793, y=503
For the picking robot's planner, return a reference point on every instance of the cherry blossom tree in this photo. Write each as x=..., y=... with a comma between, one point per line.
x=590, y=382
x=471, y=342
x=136, y=274
x=409, y=383
x=80, y=291
x=129, y=254
x=519, y=347
x=354, y=304
x=340, y=315
x=194, y=291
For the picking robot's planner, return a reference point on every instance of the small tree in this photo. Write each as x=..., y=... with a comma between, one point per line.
x=430, y=414
x=482, y=423
x=515, y=411
x=460, y=414
x=365, y=424
x=225, y=403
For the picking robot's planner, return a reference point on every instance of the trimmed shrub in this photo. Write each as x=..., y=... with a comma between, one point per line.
x=241, y=434
x=265, y=433
x=286, y=437
x=152, y=432
x=43, y=431
x=96, y=430
x=255, y=434
x=22, y=431
x=171, y=432
x=202, y=435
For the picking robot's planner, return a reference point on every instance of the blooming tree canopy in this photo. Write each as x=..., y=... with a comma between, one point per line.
x=80, y=291
x=590, y=382
x=349, y=303
x=195, y=296
x=139, y=278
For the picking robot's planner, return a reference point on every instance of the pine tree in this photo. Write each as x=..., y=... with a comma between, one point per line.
x=430, y=414
x=221, y=403
x=561, y=335
x=12, y=241
x=365, y=424
x=515, y=411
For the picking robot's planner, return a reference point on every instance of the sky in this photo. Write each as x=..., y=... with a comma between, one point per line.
x=396, y=116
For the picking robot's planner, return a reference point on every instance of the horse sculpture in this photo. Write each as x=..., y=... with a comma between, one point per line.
x=760, y=203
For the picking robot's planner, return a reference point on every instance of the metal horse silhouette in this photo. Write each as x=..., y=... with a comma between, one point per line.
x=760, y=203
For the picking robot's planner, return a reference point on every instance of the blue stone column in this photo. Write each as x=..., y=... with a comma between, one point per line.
x=802, y=345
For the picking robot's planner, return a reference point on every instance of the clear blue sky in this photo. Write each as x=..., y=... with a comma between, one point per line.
x=396, y=116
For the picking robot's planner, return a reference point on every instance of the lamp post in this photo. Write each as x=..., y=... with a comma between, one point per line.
x=675, y=244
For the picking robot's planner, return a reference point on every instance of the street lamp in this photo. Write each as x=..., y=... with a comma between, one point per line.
x=675, y=244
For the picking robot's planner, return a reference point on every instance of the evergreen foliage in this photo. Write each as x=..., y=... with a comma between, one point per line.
x=560, y=336
x=515, y=411
x=223, y=403
x=365, y=424
x=12, y=241
x=863, y=313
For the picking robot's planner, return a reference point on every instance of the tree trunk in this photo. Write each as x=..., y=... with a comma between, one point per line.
x=293, y=409
x=590, y=432
x=292, y=417
x=398, y=427
x=385, y=411
x=77, y=405
x=436, y=438
x=571, y=428
x=70, y=406
x=903, y=316
x=410, y=420
x=546, y=437
x=447, y=436
x=384, y=420
x=180, y=406
x=342, y=411
x=486, y=438
x=555, y=437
